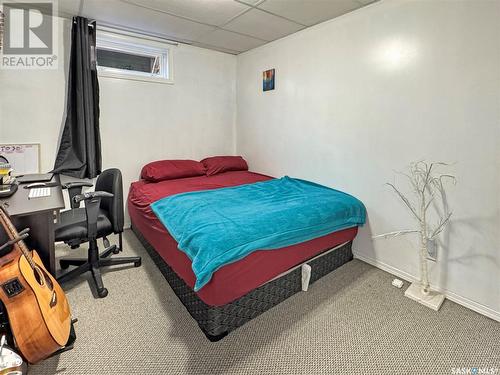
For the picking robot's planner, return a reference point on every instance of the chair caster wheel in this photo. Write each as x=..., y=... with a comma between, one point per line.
x=138, y=263
x=116, y=251
x=102, y=293
x=63, y=265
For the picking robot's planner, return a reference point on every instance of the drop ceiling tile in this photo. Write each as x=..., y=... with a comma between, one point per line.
x=309, y=12
x=118, y=13
x=215, y=48
x=229, y=40
x=262, y=25
x=213, y=12
x=250, y=2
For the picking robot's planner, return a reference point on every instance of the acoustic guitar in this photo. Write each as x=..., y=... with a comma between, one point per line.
x=37, y=308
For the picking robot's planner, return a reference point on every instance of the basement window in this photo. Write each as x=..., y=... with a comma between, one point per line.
x=125, y=56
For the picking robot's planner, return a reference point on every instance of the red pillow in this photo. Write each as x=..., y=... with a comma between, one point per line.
x=171, y=169
x=219, y=164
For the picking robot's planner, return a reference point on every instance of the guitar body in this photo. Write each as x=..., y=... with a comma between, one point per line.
x=38, y=311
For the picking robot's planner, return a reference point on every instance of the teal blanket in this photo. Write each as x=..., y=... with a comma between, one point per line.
x=218, y=227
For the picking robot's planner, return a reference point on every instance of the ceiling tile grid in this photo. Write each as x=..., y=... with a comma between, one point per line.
x=214, y=13
x=124, y=14
x=262, y=25
x=230, y=40
x=231, y=26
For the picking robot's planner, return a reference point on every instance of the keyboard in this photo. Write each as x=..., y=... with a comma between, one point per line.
x=39, y=192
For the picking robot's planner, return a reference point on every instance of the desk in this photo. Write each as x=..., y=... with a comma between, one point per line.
x=38, y=215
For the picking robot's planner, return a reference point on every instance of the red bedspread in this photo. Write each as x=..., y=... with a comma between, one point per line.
x=233, y=280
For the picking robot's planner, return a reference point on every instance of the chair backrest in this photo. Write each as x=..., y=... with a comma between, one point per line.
x=110, y=180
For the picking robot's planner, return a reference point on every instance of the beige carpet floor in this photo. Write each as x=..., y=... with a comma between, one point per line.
x=350, y=322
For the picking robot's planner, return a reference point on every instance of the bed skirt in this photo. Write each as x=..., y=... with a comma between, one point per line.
x=217, y=321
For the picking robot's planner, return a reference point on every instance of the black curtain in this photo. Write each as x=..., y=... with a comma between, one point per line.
x=79, y=153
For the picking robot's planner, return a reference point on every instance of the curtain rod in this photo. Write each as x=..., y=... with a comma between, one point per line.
x=133, y=33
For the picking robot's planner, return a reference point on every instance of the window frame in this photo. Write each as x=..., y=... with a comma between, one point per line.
x=136, y=45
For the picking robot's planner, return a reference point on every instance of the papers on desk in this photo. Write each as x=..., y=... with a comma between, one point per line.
x=39, y=192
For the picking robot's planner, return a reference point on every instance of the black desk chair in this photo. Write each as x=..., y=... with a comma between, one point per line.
x=102, y=216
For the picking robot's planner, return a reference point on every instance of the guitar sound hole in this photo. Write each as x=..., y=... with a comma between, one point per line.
x=39, y=277
x=48, y=280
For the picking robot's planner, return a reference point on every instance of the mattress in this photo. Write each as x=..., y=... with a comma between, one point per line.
x=233, y=280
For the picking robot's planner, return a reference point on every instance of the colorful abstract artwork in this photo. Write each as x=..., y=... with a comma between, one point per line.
x=268, y=80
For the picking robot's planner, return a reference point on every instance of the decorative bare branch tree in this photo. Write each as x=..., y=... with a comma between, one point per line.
x=427, y=185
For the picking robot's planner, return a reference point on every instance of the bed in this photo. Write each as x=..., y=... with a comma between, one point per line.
x=242, y=290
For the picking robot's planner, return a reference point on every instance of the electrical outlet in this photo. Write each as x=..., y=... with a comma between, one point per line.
x=397, y=283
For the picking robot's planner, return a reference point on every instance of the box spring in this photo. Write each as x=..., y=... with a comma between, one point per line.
x=217, y=321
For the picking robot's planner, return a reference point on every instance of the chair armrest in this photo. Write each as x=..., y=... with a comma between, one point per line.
x=91, y=195
x=92, y=201
x=74, y=189
x=76, y=184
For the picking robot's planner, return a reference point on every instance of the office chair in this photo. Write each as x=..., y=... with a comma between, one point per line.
x=102, y=216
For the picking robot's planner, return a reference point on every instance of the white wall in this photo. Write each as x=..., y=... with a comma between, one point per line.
x=365, y=94
x=140, y=121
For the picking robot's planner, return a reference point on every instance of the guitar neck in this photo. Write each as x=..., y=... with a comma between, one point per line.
x=12, y=234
